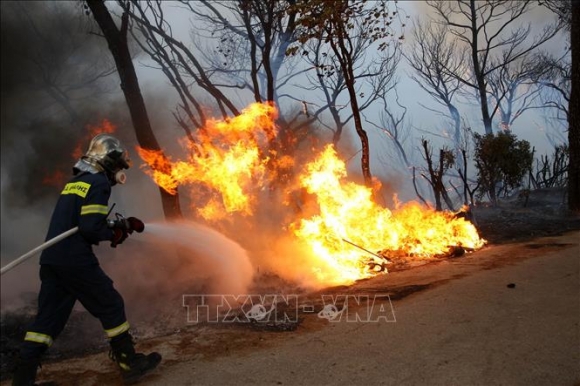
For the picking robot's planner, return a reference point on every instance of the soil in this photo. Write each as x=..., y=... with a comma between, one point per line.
x=516, y=221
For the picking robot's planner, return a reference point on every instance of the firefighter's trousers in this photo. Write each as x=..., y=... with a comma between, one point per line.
x=61, y=287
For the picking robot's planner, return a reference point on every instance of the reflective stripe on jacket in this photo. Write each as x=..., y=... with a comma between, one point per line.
x=84, y=203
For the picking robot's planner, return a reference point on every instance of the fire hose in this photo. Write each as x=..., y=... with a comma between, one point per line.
x=40, y=248
x=43, y=246
x=130, y=226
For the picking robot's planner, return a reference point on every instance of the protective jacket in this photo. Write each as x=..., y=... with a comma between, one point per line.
x=70, y=271
x=84, y=203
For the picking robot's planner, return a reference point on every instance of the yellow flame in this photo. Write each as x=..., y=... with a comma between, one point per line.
x=225, y=157
x=228, y=162
x=348, y=215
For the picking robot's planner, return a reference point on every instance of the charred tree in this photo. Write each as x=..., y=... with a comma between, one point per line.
x=393, y=124
x=42, y=43
x=376, y=75
x=574, y=114
x=435, y=177
x=340, y=26
x=513, y=90
x=435, y=60
x=481, y=27
x=117, y=41
x=468, y=192
x=568, y=12
x=553, y=75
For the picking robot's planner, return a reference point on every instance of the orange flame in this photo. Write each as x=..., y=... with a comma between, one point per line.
x=347, y=213
x=226, y=158
x=57, y=178
x=105, y=127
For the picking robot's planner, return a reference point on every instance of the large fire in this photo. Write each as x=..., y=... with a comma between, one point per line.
x=227, y=166
x=349, y=217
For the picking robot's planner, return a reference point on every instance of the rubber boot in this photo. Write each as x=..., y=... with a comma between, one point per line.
x=133, y=365
x=25, y=372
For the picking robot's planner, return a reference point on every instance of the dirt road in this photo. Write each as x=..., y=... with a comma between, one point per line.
x=506, y=315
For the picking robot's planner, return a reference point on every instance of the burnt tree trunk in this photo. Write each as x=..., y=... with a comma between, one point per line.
x=434, y=180
x=573, y=115
x=364, y=140
x=347, y=66
x=117, y=41
x=478, y=70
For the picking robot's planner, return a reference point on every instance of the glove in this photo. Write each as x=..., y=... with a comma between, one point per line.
x=135, y=224
x=122, y=227
x=128, y=224
x=119, y=235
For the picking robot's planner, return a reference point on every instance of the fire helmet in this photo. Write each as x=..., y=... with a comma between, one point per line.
x=107, y=154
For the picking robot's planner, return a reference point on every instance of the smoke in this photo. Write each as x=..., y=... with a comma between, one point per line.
x=54, y=84
x=47, y=98
x=536, y=15
x=52, y=89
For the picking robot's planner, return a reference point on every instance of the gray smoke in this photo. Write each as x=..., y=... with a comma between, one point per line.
x=51, y=90
x=51, y=93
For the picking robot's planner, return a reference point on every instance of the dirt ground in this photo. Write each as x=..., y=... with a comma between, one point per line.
x=437, y=318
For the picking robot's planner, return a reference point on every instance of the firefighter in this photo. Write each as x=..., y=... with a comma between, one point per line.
x=70, y=271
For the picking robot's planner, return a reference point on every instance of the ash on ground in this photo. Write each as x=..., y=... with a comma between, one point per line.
x=525, y=216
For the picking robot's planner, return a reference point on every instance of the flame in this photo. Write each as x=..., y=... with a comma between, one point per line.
x=228, y=167
x=58, y=177
x=105, y=127
x=55, y=179
x=348, y=215
x=225, y=157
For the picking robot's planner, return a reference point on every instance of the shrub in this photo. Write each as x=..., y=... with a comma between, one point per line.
x=502, y=162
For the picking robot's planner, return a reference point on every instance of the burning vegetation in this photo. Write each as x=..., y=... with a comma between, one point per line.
x=335, y=221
